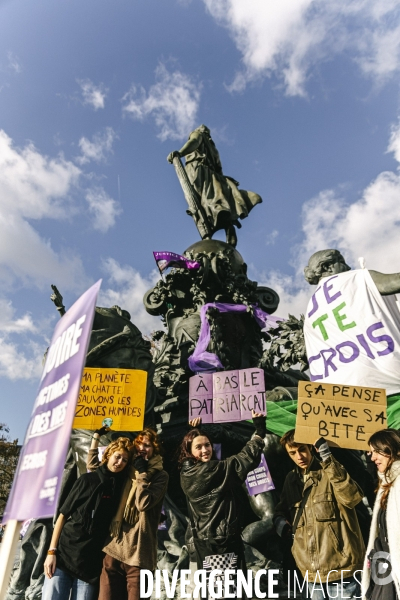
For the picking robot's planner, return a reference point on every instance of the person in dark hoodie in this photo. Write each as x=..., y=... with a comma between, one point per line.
x=210, y=487
x=75, y=557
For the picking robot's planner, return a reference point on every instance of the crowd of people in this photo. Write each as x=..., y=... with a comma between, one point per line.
x=106, y=531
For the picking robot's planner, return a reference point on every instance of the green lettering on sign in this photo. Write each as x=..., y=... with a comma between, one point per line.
x=340, y=318
x=319, y=323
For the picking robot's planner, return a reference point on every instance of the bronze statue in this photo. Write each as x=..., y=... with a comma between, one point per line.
x=215, y=202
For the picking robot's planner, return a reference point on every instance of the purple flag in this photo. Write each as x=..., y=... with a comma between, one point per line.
x=37, y=482
x=201, y=360
x=170, y=259
x=259, y=480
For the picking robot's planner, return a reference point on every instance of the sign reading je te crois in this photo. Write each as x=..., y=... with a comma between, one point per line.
x=112, y=397
x=226, y=396
x=345, y=415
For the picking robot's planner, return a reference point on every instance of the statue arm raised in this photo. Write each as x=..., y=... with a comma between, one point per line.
x=386, y=283
x=191, y=145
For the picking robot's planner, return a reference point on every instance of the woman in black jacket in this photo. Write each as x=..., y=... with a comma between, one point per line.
x=75, y=557
x=210, y=487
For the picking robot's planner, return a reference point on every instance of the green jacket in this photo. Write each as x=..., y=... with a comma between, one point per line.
x=328, y=535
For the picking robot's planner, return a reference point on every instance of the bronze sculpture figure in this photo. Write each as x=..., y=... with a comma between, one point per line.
x=215, y=202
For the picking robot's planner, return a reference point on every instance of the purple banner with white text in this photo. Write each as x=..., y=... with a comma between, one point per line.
x=165, y=260
x=37, y=482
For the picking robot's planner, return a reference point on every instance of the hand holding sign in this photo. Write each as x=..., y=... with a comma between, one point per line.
x=259, y=424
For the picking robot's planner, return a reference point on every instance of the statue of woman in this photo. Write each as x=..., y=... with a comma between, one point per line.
x=222, y=202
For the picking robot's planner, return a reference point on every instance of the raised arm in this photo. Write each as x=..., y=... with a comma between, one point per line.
x=191, y=145
x=249, y=457
x=387, y=284
x=347, y=492
x=93, y=462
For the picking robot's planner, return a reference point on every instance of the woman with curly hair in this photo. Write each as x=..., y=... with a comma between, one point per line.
x=132, y=543
x=381, y=573
x=74, y=560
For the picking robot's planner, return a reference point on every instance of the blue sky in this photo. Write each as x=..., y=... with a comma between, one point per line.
x=302, y=99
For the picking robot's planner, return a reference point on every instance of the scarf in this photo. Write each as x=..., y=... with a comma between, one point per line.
x=127, y=510
x=393, y=473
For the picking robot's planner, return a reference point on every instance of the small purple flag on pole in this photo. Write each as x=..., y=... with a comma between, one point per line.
x=37, y=482
x=165, y=260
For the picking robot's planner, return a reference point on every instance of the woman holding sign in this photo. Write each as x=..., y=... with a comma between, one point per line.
x=209, y=486
x=381, y=573
x=74, y=560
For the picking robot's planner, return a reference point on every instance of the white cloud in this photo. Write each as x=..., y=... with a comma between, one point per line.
x=103, y=208
x=271, y=238
x=14, y=63
x=93, y=95
x=33, y=186
x=127, y=288
x=172, y=101
x=20, y=355
x=17, y=364
x=288, y=38
x=98, y=148
x=10, y=324
x=394, y=142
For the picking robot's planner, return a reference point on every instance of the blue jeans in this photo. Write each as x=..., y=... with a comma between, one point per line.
x=61, y=585
x=333, y=590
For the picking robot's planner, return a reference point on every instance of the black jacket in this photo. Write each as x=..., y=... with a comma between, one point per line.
x=210, y=489
x=89, y=509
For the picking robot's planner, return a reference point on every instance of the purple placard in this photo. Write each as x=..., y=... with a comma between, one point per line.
x=38, y=477
x=260, y=479
x=226, y=396
x=252, y=392
x=201, y=397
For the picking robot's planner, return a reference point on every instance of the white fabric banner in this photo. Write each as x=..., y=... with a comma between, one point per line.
x=352, y=333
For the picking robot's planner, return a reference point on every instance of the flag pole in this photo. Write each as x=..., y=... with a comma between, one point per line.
x=8, y=549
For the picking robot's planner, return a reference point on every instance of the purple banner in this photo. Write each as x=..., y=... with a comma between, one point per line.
x=170, y=259
x=37, y=482
x=259, y=480
x=201, y=360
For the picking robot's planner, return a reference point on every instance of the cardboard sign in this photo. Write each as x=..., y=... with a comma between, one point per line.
x=252, y=392
x=201, y=397
x=112, y=397
x=259, y=480
x=237, y=393
x=226, y=396
x=343, y=414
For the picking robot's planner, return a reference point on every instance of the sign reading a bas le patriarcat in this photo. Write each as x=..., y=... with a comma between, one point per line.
x=112, y=397
x=345, y=415
x=226, y=396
